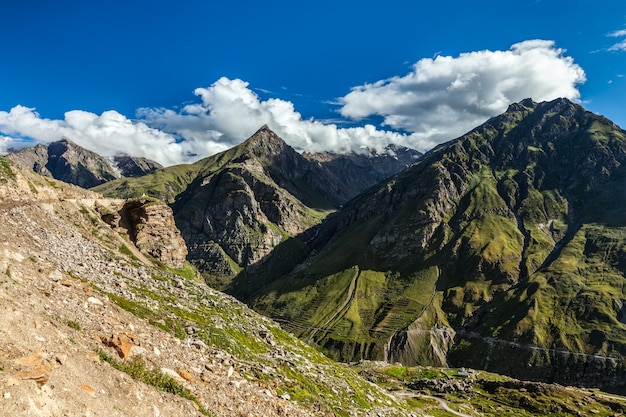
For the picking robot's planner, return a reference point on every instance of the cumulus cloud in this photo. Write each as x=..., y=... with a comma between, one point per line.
x=444, y=97
x=108, y=134
x=617, y=33
x=230, y=112
x=6, y=143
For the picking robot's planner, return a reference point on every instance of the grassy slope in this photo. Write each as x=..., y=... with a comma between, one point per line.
x=532, y=245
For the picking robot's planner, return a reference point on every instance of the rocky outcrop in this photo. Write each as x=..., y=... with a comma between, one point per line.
x=367, y=169
x=133, y=166
x=150, y=226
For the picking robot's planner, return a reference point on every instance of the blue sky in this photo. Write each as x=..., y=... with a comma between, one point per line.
x=176, y=81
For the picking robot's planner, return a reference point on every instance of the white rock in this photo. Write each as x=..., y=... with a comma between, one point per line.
x=137, y=350
x=95, y=301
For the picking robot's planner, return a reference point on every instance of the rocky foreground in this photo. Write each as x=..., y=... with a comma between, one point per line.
x=92, y=326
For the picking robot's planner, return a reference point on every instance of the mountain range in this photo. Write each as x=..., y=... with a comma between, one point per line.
x=66, y=161
x=501, y=250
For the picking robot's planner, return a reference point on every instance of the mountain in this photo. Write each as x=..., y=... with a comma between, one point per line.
x=364, y=170
x=501, y=250
x=96, y=323
x=66, y=161
x=260, y=197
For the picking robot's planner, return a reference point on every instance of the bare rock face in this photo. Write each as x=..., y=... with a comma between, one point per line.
x=150, y=225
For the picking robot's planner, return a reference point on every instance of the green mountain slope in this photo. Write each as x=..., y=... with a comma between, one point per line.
x=505, y=243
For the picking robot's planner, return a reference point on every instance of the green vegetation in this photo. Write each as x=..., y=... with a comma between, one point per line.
x=136, y=369
x=73, y=324
x=521, y=219
x=6, y=173
x=489, y=394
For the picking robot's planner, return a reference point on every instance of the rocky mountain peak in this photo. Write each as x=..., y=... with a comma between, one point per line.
x=264, y=143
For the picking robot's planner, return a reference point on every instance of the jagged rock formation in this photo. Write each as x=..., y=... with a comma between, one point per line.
x=65, y=161
x=503, y=247
x=90, y=329
x=150, y=225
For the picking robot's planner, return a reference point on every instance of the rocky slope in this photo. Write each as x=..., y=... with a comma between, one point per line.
x=261, y=197
x=92, y=327
x=65, y=161
x=505, y=243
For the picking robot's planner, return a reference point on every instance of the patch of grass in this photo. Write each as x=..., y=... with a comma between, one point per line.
x=126, y=251
x=73, y=325
x=6, y=173
x=32, y=187
x=136, y=369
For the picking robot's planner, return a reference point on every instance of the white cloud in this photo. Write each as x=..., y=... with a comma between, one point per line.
x=444, y=97
x=6, y=143
x=230, y=112
x=107, y=134
x=618, y=47
x=617, y=33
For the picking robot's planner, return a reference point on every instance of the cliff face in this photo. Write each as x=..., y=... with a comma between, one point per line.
x=508, y=239
x=150, y=225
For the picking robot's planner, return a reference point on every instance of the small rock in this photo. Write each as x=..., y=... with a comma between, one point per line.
x=186, y=375
x=89, y=390
x=61, y=358
x=55, y=276
x=231, y=371
x=286, y=396
x=172, y=373
x=121, y=343
x=157, y=351
x=137, y=350
x=199, y=344
x=7, y=395
x=95, y=301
